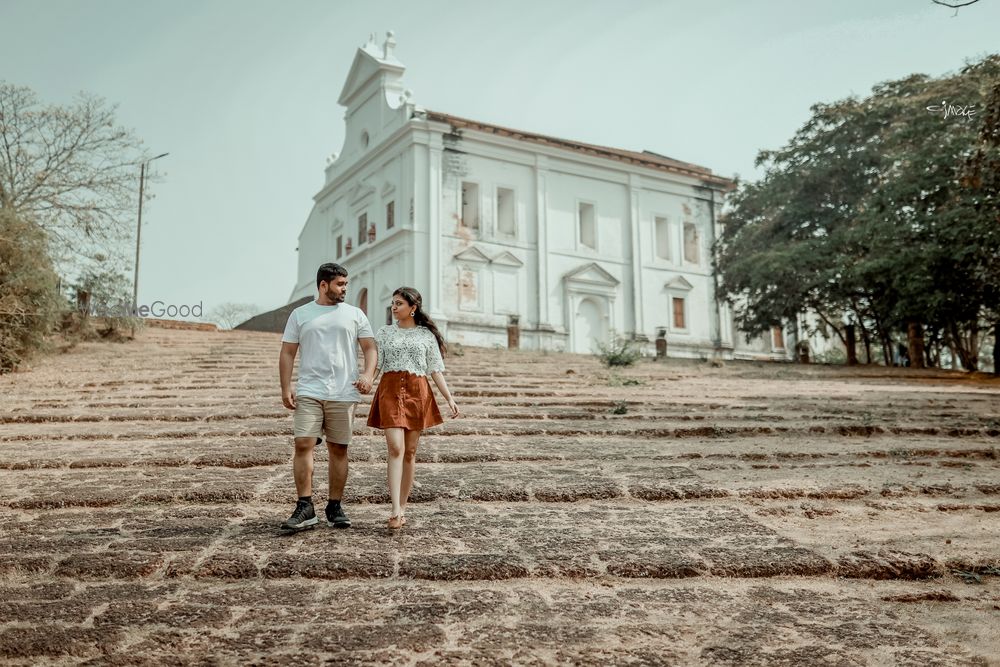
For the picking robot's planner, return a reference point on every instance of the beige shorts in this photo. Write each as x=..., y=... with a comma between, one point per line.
x=334, y=419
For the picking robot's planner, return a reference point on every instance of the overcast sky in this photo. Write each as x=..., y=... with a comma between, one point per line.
x=243, y=93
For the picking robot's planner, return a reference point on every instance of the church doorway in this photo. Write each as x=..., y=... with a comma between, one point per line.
x=589, y=326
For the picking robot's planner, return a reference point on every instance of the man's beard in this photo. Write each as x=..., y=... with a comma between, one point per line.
x=334, y=297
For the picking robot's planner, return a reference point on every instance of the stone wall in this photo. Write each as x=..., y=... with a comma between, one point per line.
x=273, y=320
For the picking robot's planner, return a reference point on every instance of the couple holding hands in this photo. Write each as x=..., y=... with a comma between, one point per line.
x=328, y=332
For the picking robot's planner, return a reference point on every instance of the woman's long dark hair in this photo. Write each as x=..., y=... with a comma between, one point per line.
x=412, y=297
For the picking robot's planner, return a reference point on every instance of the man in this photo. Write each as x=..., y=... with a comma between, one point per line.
x=328, y=331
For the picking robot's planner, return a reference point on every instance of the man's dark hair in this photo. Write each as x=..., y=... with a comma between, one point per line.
x=328, y=272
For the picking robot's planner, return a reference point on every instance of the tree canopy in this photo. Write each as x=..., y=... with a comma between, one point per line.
x=71, y=170
x=68, y=195
x=881, y=211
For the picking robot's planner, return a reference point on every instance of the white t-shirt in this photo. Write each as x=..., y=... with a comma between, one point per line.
x=328, y=349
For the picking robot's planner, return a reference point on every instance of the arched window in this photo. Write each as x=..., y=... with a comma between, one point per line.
x=363, y=301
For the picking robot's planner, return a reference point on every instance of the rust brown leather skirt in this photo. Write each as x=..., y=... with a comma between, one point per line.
x=404, y=400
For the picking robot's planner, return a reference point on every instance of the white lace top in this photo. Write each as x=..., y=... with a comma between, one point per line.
x=412, y=350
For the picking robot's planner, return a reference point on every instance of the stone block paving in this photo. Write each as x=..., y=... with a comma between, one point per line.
x=669, y=513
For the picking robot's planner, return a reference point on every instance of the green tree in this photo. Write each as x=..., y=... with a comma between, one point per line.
x=978, y=198
x=869, y=215
x=67, y=200
x=30, y=303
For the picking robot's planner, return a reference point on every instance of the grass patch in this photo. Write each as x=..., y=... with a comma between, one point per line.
x=619, y=381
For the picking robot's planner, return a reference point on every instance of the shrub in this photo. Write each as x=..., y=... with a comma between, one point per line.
x=110, y=296
x=619, y=352
x=833, y=356
x=30, y=304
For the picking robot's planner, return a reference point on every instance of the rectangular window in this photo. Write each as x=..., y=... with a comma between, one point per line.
x=690, y=243
x=362, y=229
x=340, y=246
x=662, y=238
x=390, y=214
x=777, y=338
x=588, y=227
x=679, y=313
x=505, y=212
x=470, y=205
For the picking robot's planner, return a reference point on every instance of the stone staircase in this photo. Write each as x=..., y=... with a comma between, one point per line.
x=666, y=513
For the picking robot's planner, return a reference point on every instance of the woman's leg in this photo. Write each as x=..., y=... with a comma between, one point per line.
x=394, y=465
x=409, y=463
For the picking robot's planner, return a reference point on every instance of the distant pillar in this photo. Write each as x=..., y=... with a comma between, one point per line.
x=638, y=324
x=513, y=332
x=661, y=343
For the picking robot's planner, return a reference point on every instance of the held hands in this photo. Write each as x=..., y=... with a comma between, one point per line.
x=288, y=398
x=363, y=383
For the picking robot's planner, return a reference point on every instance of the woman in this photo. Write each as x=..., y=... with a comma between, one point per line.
x=404, y=405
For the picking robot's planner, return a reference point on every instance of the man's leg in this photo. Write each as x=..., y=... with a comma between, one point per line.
x=304, y=515
x=338, y=469
x=302, y=465
x=339, y=423
x=308, y=423
x=335, y=515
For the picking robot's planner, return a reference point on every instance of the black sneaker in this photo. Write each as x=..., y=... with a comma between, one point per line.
x=335, y=516
x=304, y=516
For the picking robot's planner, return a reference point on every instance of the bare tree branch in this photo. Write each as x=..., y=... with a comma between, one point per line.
x=71, y=170
x=954, y=5
x=228, y=315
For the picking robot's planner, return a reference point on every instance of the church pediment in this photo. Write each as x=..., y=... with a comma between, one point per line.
x=472, y=254
x=371, y=62
x=507, y=258
x=678, y=283
x=591, y=274
x=360, y=191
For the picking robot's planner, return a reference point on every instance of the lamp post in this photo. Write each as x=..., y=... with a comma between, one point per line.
x=138, y=231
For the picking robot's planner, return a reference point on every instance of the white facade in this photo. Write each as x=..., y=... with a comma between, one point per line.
x=575, y=241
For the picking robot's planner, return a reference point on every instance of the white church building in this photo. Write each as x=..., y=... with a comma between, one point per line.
x=569, y=243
